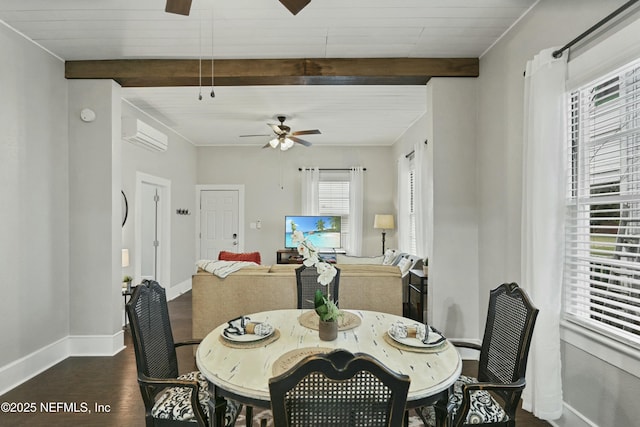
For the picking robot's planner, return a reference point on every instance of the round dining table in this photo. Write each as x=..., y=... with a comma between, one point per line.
x=240, y=369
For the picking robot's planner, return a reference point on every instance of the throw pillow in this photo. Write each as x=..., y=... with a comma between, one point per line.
x=232, y=256
x=389, y=257
x=404, y=265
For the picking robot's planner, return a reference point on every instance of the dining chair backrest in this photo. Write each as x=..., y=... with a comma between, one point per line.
x=341, y=389
x=151, y=331
x=511, y=317
x=307, y=284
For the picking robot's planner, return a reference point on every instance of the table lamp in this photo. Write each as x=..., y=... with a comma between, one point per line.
x=385, y=222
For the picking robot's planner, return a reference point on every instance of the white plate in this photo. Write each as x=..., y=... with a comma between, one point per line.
x=245, y=337
x=435, y=340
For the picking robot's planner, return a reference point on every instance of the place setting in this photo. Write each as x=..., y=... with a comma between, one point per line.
x=242, y=332
x=415, y=337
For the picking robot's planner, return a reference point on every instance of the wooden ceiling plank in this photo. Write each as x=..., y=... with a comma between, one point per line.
x=251, y=72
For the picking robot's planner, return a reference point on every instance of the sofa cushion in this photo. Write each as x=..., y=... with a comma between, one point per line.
x=233, y=256
x=348, y=259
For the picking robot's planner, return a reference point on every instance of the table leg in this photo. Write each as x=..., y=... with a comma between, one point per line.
x=217, y=407
x=441, y=408
x=248, y=410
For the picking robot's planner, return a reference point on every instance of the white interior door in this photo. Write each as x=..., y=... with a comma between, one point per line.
x=150, y=241
x=219, y=222
x=152, y=258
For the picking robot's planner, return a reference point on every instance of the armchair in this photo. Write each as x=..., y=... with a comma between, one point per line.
x=503, y=361
x=169, y=399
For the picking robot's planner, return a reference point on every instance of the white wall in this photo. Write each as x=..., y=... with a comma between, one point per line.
x=95, y=297
x=453, y=262
x=177, y=165
x=34, y=219
x=272, y=187
x=595, y=390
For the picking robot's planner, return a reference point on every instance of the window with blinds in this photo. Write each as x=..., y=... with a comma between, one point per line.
x=412, y=215
x=602, y=265
x=333, y=198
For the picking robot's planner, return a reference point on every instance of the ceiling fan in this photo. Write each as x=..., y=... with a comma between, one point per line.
x=183, y=7
x=284, y=137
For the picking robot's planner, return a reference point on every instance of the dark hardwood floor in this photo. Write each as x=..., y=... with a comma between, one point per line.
x=102, y=391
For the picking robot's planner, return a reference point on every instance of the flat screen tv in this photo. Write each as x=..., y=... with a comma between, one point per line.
x=323, y=231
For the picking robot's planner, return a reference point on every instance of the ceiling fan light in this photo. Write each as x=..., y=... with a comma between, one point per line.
x=274, y=142
x=286, y=144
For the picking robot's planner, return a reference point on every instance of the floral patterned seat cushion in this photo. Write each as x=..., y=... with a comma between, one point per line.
x=483, y=409
x=175, y=402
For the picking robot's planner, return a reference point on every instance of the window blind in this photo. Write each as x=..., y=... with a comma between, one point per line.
x=333, y=198
x=602, y=263
x=412, y=215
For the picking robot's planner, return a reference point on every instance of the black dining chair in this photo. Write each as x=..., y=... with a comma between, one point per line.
x=307, y=284
x=339, y=389
x=503, y=362
x=169, y=398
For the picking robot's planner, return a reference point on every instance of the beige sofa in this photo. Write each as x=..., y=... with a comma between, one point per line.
x=253, y=289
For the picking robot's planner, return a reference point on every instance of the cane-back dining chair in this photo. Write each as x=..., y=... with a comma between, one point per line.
x=307, y=284
x=339, y=389
x=169, y=398
x=503, y=362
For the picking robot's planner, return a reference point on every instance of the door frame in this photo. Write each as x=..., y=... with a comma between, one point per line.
x=164, y=231
x=220, y=187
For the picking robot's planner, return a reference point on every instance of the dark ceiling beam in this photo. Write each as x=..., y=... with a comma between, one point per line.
x=256, y=72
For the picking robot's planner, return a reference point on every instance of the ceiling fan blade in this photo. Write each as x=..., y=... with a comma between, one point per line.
x=267, y=145
x=180, y=7
x=300, y=141
x=295, y=6
x=263, y=134
x=307, y=132
x=276, y=129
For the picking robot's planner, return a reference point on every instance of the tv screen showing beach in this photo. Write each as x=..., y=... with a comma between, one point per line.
x=322, y=231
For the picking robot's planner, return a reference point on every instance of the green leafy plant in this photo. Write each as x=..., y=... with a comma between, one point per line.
x=127, y=279
x=326, y=309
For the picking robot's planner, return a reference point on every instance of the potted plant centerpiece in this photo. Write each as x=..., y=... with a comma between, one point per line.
x=325, y=307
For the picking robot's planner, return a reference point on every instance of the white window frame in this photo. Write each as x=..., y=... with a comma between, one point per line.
x=411, y=186
x=601, y=290
x=335, y=185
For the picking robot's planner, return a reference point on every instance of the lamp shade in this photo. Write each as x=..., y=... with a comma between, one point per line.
x=125, y=258
x=383, y=221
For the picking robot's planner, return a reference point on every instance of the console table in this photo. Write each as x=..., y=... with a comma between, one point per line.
x=291, y=256
x=418, y=283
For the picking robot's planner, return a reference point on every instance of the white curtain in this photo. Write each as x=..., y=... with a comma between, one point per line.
x=420, y=199
x=543, y=206
x=403, y=204
x=356, y=197
x=310, y=185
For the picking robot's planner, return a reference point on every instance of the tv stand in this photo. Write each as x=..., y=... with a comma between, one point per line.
x=291, y=256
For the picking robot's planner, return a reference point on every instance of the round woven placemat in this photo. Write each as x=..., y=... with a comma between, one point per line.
x=251, y=344
x=309, y=319
x=405, y=347
x=290, y=358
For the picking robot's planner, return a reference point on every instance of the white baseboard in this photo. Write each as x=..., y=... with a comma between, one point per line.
x=572, y=418
x=175, y=291
x=96, y=345
x=27, y=367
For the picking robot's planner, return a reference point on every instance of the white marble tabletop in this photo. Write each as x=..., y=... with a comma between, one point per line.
x=245, y=372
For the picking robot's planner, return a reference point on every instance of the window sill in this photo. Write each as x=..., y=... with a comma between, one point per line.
x=613, y=352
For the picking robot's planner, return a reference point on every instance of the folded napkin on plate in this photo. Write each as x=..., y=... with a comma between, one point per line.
x=243, y=325
x=426, y=334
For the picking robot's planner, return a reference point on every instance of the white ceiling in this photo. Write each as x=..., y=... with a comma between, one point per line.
x=255, y=29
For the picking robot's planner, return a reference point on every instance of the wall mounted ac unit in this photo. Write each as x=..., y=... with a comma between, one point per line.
x=139, y=133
